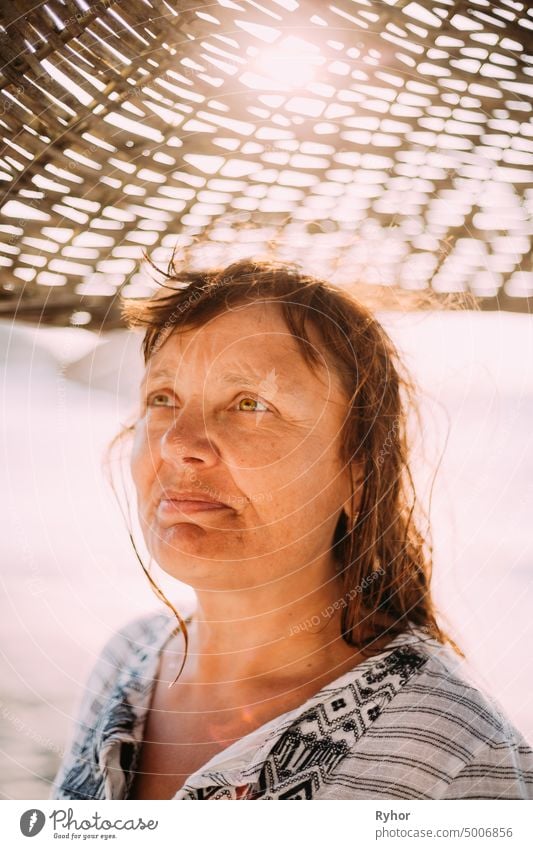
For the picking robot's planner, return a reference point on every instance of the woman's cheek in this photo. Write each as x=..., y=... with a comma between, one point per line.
x=141, y=450
x=261, y=450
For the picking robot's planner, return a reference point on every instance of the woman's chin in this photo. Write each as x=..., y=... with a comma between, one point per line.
x=184, y=539
x=188, y=551
x=201, y=575
x=205, y=566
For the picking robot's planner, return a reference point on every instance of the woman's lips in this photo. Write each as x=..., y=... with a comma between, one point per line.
x=167, y=505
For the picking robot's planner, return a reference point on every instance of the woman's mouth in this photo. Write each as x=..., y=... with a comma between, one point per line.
x=167, y=505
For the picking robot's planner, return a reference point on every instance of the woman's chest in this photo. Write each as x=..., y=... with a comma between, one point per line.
x=179, y=742
x=171, y=752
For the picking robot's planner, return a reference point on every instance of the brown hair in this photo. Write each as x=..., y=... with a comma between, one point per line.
x=385, y=560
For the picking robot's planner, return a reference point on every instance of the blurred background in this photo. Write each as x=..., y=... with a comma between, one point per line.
x=386, y=146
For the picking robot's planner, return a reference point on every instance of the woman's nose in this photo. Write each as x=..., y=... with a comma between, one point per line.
x=187, y=439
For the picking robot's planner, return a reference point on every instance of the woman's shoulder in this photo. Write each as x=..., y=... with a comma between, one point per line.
x=146, y=631
x=447, y=689
x=111, y=700
x=130, y=648
x=440, y=733
x=484, y=754
x=448, y=681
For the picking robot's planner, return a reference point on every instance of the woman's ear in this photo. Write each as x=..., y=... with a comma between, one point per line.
x=358, y=473
x=351, y=505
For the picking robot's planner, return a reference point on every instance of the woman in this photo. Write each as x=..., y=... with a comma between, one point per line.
x=270, y=463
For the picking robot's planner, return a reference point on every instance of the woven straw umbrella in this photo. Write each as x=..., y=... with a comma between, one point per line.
x=380, y=143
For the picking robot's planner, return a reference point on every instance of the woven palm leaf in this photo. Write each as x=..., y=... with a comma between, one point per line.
x=378, y=143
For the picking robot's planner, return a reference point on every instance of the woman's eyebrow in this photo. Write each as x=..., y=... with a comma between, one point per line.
x=233, y=377
x=268, y=380
x=161, y=372
x=247, y=380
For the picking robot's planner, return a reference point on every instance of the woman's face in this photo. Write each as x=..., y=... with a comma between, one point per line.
x=231, y=412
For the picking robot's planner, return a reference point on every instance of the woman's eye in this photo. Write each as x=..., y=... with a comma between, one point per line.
x=246, y=404
x=252, y=405
x=153, y=400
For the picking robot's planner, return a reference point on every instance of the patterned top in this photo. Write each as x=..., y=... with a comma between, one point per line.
x=403, y=724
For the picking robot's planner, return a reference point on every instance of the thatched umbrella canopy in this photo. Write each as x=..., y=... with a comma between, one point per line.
x=381, y=141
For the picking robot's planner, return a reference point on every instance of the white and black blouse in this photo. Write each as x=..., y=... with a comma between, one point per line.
x=404, y=724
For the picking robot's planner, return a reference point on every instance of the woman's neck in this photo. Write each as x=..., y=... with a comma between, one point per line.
x=267, y=636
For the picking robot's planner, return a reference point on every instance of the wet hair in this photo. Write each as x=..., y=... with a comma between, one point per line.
x=384, y=560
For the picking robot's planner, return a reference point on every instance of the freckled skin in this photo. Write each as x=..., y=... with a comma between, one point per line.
x=271, y=450
x=279, y=469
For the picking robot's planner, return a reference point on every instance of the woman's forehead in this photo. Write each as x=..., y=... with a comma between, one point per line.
x=258, y=333
x=254, y=342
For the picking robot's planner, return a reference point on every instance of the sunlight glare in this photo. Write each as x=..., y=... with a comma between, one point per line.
x=291, y=62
